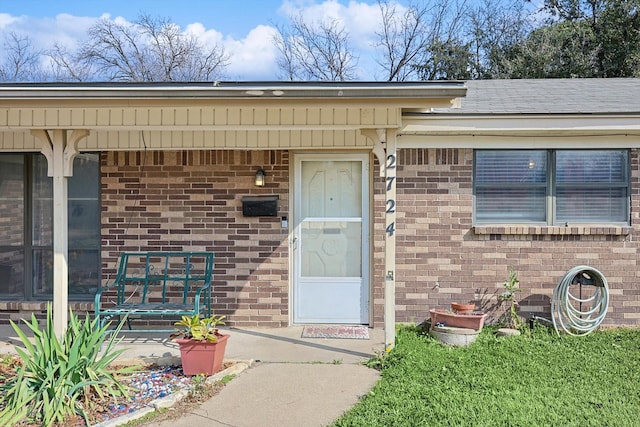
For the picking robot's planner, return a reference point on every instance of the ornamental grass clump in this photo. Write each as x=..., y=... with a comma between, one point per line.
x=62, y=378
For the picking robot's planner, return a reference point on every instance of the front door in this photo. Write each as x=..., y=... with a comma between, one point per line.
x=331, y=239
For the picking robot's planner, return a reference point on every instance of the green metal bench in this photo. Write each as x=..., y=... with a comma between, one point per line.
x=158, y=284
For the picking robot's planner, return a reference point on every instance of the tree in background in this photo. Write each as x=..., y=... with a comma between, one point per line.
x=495, y=31
x=20, y=60
x=314, y=51
x=149, y=50
x=583, y=38
x=422, y=41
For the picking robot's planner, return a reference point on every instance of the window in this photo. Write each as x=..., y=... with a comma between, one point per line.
x=26, y=227
x=552, y=187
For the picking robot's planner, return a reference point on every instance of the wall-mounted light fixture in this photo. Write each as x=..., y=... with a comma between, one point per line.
x=260, y=174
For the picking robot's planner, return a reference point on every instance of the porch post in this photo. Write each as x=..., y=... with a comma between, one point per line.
x=384, y=148
x=60, y=148
x=390, y=241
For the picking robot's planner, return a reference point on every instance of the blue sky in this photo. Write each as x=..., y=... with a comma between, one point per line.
x=244, y=27
x=232, y=17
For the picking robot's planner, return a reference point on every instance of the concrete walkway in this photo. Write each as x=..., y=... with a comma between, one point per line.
x=294, y=381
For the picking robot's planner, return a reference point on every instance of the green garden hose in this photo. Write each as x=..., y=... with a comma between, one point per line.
x=574, y=314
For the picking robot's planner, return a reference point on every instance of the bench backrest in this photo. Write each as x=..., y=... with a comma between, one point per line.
x=153, y=272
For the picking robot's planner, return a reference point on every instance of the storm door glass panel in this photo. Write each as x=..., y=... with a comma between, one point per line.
x=12, y=225
x=592, y=186
x=332, y=219
x=510, y=186
x=332, y=249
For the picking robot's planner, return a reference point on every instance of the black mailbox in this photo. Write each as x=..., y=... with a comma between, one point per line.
x=260, y=206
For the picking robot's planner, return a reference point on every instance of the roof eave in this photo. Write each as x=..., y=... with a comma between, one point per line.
x=245, y=90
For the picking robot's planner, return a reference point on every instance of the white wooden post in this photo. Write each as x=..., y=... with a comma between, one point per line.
x=60, y=150
x=391, y=163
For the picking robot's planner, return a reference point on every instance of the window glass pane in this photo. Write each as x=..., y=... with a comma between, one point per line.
x=84, y=226
x=84, y=203
x=511, y=167
x=12, y=225
x=42, y=273
x=592, y=186
x=42, y=200
x=11, y=200
x=510, y=186
x=12, y=272
x=83, y=273
x=85, y=182
x=591, y=205
x=589, y=166
x=510, y=205
x=83, y=190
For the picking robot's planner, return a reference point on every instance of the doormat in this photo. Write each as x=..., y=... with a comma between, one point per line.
x=336, y=331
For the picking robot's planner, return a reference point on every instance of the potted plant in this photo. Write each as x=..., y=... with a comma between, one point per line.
x=202, y=346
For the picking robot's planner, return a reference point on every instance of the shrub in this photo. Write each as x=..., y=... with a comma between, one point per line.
x=60, y=378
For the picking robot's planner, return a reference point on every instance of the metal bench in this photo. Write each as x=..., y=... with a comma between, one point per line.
x=158, y=284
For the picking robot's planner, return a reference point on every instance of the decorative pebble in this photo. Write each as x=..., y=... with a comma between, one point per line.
x=150, y=385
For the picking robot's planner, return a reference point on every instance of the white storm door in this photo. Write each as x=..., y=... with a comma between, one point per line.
x=331, y=239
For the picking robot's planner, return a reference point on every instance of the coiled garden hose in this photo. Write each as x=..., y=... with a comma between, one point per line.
x=574, y=314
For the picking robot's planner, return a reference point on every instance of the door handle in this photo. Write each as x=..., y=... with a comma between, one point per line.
x=294, y=243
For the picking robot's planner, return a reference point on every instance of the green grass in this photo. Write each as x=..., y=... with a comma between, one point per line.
x=537, y=379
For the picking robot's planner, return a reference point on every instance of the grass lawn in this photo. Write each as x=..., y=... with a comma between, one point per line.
x=537, y=379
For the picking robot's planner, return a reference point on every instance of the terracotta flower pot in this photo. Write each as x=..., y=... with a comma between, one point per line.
x=446, y=318
x=202, y=357
x=462, y=308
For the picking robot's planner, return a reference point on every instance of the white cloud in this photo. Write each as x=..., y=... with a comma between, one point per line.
x=254, y=57
x=67, y=30
x=7, y=20
x=361, y=19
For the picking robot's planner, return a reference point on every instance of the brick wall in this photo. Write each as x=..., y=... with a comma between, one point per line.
x=442, y=259
x=191, y=201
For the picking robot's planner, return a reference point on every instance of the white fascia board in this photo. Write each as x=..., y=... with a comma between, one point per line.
x=523, y=124
x=505, y=141
x=519, y=131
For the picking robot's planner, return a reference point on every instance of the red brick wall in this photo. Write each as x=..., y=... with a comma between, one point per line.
x=440, y=259
x=191, y=201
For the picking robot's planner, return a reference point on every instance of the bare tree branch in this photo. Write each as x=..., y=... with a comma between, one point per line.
x=151, y=49
x=20, y=61
x=314, y=51
x=410, y=40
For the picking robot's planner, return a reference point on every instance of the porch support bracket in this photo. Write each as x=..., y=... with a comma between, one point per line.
x=60, y=147
x=379, y=138
x=384, y=149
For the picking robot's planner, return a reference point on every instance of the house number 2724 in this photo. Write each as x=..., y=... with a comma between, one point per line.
x=390, y=203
